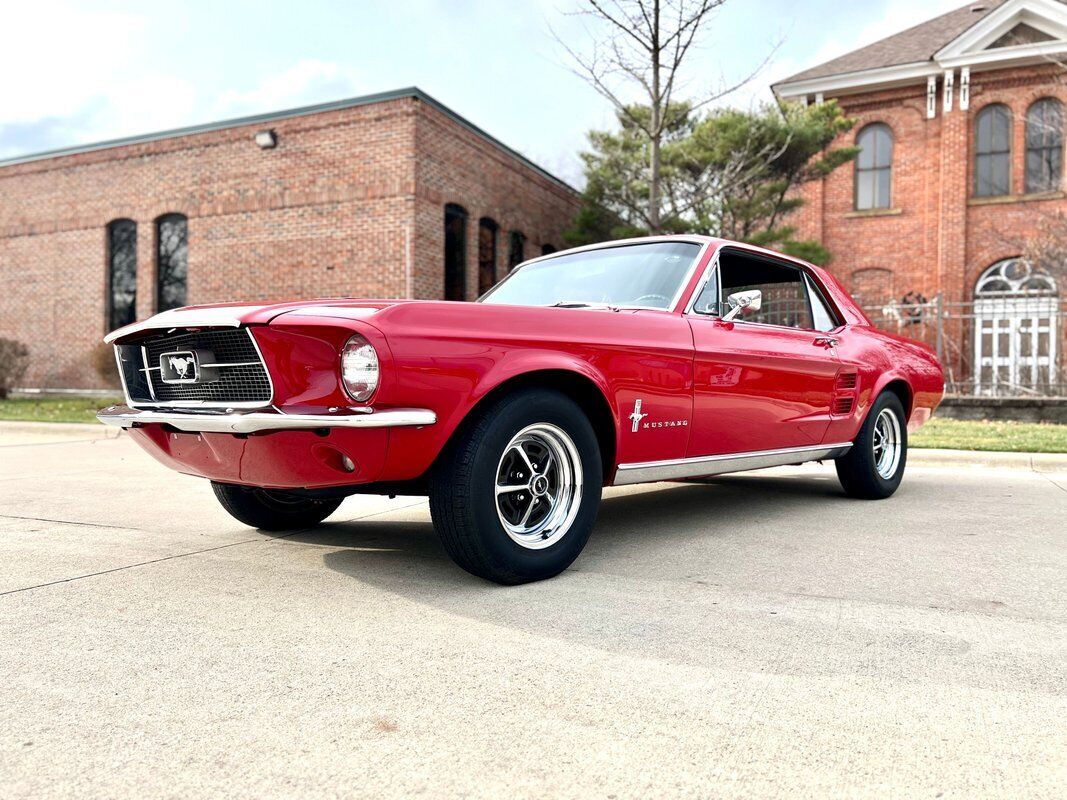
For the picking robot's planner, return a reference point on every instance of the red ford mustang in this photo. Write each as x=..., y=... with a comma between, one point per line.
x=653, y=359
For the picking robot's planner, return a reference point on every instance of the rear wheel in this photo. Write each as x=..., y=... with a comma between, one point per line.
x=514, y=499
x=272, y=510
x=874, y=467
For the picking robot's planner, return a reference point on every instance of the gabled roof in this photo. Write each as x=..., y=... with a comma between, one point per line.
x=919, y=49
x=915, y=44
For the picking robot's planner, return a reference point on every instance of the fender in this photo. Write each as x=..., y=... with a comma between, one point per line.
x=883, y=381
x=526, y=362
x=518, y=363
x=412, y=451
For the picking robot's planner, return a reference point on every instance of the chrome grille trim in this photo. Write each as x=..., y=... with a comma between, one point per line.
x=154, y=400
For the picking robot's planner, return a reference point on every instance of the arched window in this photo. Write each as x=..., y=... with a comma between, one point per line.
x=487, y=229
x=516, y=249
x=874, y=167
x=1014, y=277
x=455, y=252
x=992, y=151
x=1044, y=146
x=121, y=273
x=172, y=261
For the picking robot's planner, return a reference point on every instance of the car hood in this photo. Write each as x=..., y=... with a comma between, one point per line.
x=442, y=314
x=237, y=314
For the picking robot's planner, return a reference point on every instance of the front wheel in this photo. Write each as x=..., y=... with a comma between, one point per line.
x=271, y=510
x=873, y=468
x=514, y=499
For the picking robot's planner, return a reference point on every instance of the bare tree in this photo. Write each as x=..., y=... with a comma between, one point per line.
x=645, y=44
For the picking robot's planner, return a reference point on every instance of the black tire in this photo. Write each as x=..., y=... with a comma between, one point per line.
x=272, y=510
x=858, y=469
x=463, y=497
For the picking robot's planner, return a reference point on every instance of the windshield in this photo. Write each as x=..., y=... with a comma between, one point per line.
x=648, y=275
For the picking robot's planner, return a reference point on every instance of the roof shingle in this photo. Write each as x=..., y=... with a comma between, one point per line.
x=915, y=44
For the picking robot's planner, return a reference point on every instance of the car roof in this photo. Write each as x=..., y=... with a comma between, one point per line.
x=695, y=238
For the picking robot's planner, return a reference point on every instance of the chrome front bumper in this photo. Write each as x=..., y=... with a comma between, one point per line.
x=255, y=421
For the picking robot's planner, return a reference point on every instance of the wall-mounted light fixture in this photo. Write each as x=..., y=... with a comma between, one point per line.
x=266, y=139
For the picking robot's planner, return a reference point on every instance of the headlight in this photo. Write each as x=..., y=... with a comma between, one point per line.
x=359, y=368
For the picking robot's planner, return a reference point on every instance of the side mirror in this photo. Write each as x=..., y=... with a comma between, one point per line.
x=743, y=301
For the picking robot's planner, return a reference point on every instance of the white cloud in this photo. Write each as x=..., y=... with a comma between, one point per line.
x=57, y=59
x=75, y=74
x=306, y=82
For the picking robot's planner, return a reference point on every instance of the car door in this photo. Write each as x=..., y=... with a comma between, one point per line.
x=764, y=380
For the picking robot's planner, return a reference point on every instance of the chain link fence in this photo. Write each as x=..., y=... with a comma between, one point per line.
x=1010, y=346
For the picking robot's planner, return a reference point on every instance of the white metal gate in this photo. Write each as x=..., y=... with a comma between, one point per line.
x=1015, y=345
x=1016, y=330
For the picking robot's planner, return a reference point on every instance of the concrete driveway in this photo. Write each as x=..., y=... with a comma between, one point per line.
x=758, y=636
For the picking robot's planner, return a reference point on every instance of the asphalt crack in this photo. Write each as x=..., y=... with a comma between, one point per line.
x=161, y=559
x=73, y=522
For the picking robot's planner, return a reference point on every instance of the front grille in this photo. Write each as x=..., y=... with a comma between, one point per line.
x=231, y=369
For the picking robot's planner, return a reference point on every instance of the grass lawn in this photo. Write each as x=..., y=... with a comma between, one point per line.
x=1019, y=437
x=951, y=434
x=54, y=409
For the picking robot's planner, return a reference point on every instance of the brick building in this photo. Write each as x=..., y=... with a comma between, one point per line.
x=391, y=195
x=961, y=124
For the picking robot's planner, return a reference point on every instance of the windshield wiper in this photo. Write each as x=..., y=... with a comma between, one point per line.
x=582, y=304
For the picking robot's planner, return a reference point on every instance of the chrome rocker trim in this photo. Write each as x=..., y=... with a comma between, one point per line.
x=675, y=469
x=253, y=422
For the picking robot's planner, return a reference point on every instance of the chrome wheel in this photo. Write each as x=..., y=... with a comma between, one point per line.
x=886, y=443
x=538, y=486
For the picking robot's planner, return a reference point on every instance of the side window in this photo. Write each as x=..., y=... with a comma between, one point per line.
x=785, y=297
x=707, y=301
x=820, y=311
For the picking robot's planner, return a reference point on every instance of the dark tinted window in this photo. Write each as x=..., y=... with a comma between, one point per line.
x=172, y=261
x=487, y=229
x=455, y=252
x=122, y=272
x=516, y=249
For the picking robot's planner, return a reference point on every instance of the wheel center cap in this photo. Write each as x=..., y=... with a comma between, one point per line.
x=539, y=486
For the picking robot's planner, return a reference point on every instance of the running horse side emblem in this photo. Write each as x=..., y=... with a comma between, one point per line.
x=637, y=416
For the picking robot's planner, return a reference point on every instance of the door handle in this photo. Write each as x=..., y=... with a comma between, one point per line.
x=825, y=341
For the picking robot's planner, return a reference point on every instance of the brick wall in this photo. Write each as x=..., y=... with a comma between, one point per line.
x=350, y=203
x=935, y=238
x=457, y=166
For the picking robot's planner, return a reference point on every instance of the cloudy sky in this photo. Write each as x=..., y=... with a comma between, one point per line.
x=78, y=72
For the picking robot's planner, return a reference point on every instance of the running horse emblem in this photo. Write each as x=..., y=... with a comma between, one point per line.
x=181, y=366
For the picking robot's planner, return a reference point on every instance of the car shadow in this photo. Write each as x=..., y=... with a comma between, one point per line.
x=659, y=516
x=608, y=599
